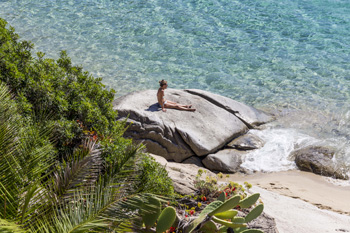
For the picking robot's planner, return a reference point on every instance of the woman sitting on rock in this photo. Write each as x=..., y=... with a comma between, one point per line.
x=167, y=103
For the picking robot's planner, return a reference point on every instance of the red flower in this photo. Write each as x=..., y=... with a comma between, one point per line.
x=172, y=229
x=226, y=194
x=233, y=189
x=203, y=198
x=191, y=212
x=186, y=216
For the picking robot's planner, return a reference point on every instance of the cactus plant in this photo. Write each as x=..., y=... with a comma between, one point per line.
x=227, y=214
x=239, y=220
x=222, y=197
x=208, y=209
x=222, y=229
x=228, y=224
x=151, y=211
x=166, y=219
x=209, y=227
x=249, y=201
x=227, y=205
x=224, y=214
x=254, y=213
x=252, y=231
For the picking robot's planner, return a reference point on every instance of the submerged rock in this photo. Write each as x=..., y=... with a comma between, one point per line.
x=246, y=142
x=177, y=135
x=318, y=160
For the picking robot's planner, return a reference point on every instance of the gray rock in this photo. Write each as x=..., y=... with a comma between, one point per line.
x=249, y=115
x=264, y=222
x=318, y=160
x=177, y=135
x=228, y=161
x=246, y=142
x=194, y=160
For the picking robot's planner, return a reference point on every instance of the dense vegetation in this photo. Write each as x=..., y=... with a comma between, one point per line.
x=64, y=165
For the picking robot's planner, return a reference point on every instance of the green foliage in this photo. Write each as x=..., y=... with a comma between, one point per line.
x=64, y=165
x=166, y=219
x=229, y=214
x=224, y=213
x=154, y=177
x=227, y=205
x=152, y=212
x=209, y=227
x=203, y=215
x=254, y=213
x=222, y=196
x=249, y=201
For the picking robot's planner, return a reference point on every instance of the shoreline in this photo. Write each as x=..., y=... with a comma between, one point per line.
x=305, y=186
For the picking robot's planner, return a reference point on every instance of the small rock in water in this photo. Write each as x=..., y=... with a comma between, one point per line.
x=318, y=160
x=246, y=142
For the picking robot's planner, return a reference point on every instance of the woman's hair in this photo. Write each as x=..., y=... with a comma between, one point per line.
x=162, y=82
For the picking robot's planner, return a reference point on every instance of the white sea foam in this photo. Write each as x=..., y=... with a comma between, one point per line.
x=275, y=154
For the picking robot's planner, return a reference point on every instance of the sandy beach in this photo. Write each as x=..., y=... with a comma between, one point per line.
x=306, y=186
x=302, y=201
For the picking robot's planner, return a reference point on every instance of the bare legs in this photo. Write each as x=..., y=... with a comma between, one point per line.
x=170, y=104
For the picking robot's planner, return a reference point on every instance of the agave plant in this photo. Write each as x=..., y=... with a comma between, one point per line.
x=38, y=193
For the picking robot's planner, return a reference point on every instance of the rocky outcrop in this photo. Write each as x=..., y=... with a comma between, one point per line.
x=228, y=161
x=318, y=160
x=177, y=135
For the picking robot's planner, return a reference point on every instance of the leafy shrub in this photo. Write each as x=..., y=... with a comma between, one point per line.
x=57, y=107
x=154, y=177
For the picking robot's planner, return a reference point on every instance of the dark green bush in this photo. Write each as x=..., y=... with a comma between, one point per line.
x=55, y=93
x=154, y=178
x=56, y=90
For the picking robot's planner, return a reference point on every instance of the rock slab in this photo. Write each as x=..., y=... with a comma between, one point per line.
x=177, y=135
x=228, y=161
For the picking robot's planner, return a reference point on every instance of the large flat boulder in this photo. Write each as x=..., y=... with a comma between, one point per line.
x=247, y=114
x=177, y=135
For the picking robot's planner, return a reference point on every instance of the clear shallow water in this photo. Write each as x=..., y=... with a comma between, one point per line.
x=289, y=57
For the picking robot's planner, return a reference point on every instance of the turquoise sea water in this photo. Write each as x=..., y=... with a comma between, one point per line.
x=289, y=57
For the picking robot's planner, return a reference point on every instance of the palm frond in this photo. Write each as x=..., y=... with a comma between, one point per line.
x=24, y=158
x=10, y=227
x=83, y=169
